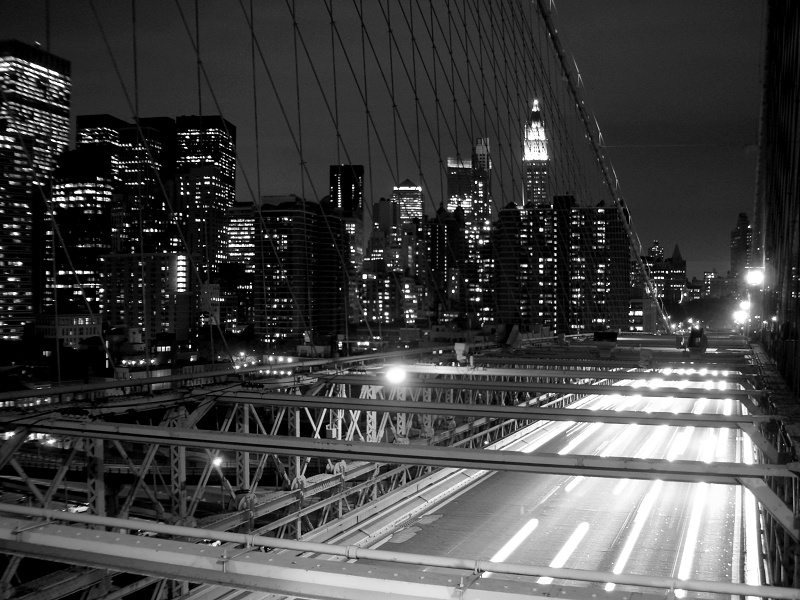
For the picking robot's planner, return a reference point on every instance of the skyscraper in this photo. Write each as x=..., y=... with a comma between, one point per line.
x=206, y=183
x=301, y=272
x=468, y=190
x=741, y=239
x=535, y=159
x=347, y=187
x=409, y=196
x=34, y=128
x=16, y=235
x=35, y=101
x=83, y=191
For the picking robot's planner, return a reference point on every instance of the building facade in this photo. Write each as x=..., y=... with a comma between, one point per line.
x=34, y=131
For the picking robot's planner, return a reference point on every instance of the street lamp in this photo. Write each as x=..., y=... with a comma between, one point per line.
x=754, y=277
x=396, y=375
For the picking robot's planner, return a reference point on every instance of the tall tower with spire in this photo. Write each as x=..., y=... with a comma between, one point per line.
x=535, y=159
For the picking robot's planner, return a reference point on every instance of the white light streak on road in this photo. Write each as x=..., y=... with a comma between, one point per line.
x=566, y=551
x=722, y=444
x=620, y=441
x=588, y=432
x=709, y=451
x=514, y=542
x=623, y=483
x=678, y=447
x=649, y=449
x=752, y=572
x=638, y=524
x=573, y=484
x=557, y=431
x=693, y=529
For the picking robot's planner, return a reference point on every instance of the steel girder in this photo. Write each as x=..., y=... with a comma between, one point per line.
x=592, y=466
x=535, y=387
x=427, y=407
x=246, y=568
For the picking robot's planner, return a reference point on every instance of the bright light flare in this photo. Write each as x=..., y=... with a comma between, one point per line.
x=396, y=375
x=754, y=277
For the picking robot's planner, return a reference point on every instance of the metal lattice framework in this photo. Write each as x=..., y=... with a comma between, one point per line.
x=316, y=459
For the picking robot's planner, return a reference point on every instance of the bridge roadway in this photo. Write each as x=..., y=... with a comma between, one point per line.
x=611, y=528
x=666, y=529
x=656, y=528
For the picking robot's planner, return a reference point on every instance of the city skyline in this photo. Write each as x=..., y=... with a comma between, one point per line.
x=644, y=184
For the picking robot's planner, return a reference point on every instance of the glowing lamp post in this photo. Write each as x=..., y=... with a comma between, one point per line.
x=754, y=277
x=396, y=375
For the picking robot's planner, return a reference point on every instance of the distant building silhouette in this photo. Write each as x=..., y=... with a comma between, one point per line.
x=347, y=187
x=741, y=239
x=301, y=288
x=173, y=181
x=83, y=192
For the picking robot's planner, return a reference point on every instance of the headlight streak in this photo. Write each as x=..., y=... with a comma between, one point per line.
x=653, y=443
x=573, y=484
x=621, y=485
x=700, y=406
x=514, y=543
x=566, y=551
x=721, y=453
x=678, y=447
x=558, y=430
x=638, y=524
x=691, y=535
x=752, y=572
x=589, y=431
x=709, y=452
x=620, y=440
x=728, y=407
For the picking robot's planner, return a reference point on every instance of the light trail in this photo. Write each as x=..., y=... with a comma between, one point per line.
x=638, y=524
x=588, y=432
x=573, y=484
x=558, y=430
x=678, y=447
x=620, y=441
x=651, y=446
x=566, y=551
x=623, y=483
x=514, y=543
x=693, y=529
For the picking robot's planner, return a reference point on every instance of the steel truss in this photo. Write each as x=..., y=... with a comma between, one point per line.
x=319, y=442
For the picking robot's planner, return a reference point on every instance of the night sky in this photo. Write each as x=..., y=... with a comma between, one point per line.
x=674, y=85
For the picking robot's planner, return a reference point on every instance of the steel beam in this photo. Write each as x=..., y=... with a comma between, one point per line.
x=492, y=411
x=492, y=371
x=773, y=505
x=248, y=569
x=541, y=388
x=435, y=456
